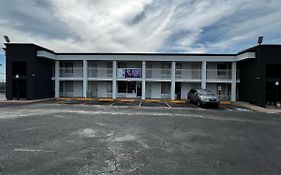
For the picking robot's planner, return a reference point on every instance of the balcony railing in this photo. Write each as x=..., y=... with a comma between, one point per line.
x=154, y=73
x=238, y=74
x=71, y=71
x=99, y=72
x=151, y=73
x=189, y=74
x=219, y=74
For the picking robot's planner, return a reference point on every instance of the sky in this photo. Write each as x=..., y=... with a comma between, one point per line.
x=189, y=26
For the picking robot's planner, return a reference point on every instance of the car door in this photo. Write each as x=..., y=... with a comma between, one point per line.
x=192, y=95
x=195, y=96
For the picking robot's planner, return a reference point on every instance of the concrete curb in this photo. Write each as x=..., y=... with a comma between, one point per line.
x=26, y=101
x=254, y=107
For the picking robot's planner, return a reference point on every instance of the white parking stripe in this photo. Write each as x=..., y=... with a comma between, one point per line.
x=168, y=105
x=32, y=150
x=140, y=103
x=138, y=113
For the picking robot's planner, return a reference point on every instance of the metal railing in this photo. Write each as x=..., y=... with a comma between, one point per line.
x=219, y=74
x=158, y=73
x=94, y=72
x=151, y=73
x=71, y=72
x=193, y=74
x=238, y=74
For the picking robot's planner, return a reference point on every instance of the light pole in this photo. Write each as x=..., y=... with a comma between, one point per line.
x=276, y=93
x=17, y=79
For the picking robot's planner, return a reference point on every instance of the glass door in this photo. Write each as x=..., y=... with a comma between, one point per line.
x=139, y=90
x=131, y=87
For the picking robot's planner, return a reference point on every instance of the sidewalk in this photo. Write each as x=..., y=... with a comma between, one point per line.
x=25, y=101
x=254, y=107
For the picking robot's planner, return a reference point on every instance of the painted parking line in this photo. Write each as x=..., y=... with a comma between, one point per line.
x=33, y=150
x=193, y=105
x=168, y=105
x=140, y=104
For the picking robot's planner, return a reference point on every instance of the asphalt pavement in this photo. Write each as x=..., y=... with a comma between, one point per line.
x=50, y=138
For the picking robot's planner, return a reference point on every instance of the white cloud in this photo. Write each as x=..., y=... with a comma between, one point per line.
x=144, y=25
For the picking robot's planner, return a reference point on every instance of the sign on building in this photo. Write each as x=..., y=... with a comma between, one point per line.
x=129, y=73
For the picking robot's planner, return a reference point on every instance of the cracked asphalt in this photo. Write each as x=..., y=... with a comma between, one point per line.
x=48, y=138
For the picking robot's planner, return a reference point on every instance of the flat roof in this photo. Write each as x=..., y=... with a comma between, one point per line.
x=145, y=53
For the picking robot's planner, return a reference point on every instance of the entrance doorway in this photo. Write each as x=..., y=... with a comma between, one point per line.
x=129, y=89
x=273, y=93
x=19, y=79
x=139, y=90
x=178, y=90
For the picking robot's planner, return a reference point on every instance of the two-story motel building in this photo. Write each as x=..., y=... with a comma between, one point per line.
x=44, y=73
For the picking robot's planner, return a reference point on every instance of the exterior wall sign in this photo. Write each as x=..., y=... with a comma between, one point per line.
x=129, y=73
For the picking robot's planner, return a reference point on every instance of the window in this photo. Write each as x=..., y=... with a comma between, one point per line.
x=131, y=87
x=122, y=87
x=192, y=91
x=66, y=86
x=126, y=87
x=165, y=88
x=69, y=87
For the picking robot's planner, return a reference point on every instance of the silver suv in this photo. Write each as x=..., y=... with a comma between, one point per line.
x=202, y=97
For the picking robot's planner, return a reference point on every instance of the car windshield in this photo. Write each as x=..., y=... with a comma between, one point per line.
x=205, y=92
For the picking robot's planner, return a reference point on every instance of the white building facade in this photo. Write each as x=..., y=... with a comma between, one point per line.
x=144, y=75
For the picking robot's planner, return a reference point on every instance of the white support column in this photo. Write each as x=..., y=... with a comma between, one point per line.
x=57, y=82
x=85, y=78
x=114, y=82
x=143, y=80
x=173, y=78
x=233, y=81
x=204, y=75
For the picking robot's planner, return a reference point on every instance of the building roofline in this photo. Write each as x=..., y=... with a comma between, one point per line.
x=32, y=44
x=143, y=53
x=254, y=48
x=251, y=49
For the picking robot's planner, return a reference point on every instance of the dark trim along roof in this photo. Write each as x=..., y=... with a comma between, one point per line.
x=142, y=53
x=252, y=49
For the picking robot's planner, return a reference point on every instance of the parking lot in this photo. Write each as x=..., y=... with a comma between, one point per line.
x=148, y=103
x=52, y=138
